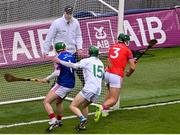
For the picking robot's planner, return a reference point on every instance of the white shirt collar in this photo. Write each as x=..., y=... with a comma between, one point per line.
x=66, y=20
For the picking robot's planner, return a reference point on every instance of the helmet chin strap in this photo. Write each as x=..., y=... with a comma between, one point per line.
x=127, y=43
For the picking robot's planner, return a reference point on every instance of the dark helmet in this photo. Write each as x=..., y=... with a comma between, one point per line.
x=60, y=46
x=123, y=38
x=93, y=51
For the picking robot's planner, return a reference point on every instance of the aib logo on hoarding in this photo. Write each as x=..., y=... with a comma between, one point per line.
x=100, y=34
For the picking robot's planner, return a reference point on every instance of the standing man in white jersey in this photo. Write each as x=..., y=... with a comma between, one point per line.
x=93, y=70
x=66, y=29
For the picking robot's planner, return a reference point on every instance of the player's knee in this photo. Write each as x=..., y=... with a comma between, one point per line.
x=46, y=101
x=59, y=101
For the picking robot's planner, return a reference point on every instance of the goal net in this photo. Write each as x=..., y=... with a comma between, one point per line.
x=24, y=26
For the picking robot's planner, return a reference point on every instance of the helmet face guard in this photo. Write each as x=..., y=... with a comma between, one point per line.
x=60, y=46
x=93, y=51
x=124, y=38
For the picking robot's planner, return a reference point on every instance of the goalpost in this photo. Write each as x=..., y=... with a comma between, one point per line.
x=99, y=14
x=120, y=30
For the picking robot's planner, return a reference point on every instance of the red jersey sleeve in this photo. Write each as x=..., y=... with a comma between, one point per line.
x=130, y=55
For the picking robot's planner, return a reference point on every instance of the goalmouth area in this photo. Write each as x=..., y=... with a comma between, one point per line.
x=149, y=100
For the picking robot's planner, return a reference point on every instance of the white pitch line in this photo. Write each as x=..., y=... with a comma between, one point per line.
x=74, y=116
x=150, y=105
x=38, y=121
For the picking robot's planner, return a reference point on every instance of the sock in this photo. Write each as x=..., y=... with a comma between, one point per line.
x=81, y=117
x=59, y=117
x=52, y=117
x=105, y=107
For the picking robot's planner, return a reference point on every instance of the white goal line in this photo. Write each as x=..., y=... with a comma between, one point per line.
x=74, y=116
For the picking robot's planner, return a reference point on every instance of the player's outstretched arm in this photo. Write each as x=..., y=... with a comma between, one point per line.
x=53, y=75
x=67, y=64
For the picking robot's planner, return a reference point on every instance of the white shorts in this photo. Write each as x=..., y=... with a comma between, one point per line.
x=61, y=91
x=113, y=80
x=89, y=96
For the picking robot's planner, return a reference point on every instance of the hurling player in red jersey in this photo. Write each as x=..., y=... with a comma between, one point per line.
x=119, y=55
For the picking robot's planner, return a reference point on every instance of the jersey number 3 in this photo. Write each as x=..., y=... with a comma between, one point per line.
x=115, y=53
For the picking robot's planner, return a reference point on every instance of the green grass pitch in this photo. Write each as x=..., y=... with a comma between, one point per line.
x=156, y=79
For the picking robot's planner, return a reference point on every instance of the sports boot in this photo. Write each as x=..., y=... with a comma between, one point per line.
x=98, y=113
x=82, y=125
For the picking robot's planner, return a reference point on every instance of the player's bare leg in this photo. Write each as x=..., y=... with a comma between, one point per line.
x=105, y=112
x=50, y=97
x=85, y=109
x=111, y=100
x=59, y=107
x=74, y=106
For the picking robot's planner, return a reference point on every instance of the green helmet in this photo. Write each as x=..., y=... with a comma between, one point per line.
x=93, y=51
x=60, y=46
x=123, y=38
